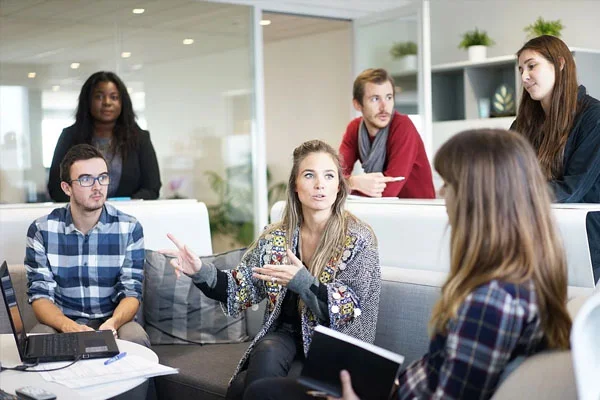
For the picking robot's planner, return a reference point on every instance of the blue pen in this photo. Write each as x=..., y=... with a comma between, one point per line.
x=115, y=358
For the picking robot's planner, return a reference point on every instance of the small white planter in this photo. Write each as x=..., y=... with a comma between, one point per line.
x=477, y=53
x=404, y=64
x=409, y=63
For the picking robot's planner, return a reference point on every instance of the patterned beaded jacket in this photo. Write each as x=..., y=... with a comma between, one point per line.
x=353, y=281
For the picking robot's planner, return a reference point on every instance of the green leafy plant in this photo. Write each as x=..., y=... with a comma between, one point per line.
x=475, y=38
x=401, y=49
x=233, y=213
x=542, y=27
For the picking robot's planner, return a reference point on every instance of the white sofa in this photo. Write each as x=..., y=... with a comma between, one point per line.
x=413, y=244
x=414, y=236
x=186, y=219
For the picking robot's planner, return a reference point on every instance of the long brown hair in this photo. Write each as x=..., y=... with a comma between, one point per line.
x=501, y=226
x=334, y=234
x=549, y=133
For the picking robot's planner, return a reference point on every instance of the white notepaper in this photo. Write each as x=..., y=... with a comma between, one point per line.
x=93, y=372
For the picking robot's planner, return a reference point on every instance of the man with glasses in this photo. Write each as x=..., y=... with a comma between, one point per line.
x=85, y=260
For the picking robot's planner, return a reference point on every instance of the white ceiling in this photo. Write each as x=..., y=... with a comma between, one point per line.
x=346, y=9
x=46, y=36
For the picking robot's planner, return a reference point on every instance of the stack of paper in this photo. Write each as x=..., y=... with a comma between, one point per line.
x=94, y=372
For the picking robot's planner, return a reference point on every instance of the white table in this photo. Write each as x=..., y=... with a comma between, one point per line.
x=11, y=380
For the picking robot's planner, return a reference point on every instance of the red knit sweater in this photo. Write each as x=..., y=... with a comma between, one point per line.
x=405, y=157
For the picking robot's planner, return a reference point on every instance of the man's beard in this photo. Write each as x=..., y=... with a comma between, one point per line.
x=87, y=208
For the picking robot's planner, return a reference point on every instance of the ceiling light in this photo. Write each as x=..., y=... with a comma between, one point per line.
x=138, y=10
x=75, y=65
x=188, y=41
x=55, y=88
x=265, y=22
x=126, y=54
x=31, y=75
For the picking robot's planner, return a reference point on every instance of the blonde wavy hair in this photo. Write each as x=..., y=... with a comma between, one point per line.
x=334, y=235
x=502, y=227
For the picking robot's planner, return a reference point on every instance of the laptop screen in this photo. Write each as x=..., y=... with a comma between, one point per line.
x=12, y=308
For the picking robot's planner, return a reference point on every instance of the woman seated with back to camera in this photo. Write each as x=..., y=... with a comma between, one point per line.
x=505, y=295
x=319, y=265
x=106, y=120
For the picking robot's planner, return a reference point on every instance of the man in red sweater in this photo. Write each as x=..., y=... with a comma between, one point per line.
x=386, y=142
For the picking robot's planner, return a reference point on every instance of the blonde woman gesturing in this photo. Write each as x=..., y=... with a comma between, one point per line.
x=319, y=265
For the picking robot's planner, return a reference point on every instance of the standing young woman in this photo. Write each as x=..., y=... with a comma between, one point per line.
x=319, y=265
x=106, y=120
x=562, y=123
x=506, y=292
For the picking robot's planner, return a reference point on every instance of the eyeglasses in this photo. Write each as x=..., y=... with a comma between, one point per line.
x=88, y=180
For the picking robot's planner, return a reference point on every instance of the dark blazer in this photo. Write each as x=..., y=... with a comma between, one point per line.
x=140, y=177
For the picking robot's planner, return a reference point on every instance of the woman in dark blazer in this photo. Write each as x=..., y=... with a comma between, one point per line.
x=105, y=119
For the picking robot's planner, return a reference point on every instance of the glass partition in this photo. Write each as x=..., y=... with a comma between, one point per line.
x=398, y=41
x=188, y=67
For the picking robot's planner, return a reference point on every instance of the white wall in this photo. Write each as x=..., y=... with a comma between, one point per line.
x=308, y=92
x=374, y=41
x=188, y=116
x=504, y=21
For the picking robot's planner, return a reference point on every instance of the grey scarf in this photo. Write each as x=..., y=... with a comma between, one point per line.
x=372, y=155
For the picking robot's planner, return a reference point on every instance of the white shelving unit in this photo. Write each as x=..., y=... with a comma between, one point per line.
x=407, y=96
x=457, y=88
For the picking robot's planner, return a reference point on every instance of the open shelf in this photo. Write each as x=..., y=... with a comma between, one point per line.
x=406, y=99
x=458, y=87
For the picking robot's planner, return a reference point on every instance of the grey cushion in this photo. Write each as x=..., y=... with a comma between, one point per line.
x=548, y=375
x=404, y=312
x=197, y=378
x=177, y=312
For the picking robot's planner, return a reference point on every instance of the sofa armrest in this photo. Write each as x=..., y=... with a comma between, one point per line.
x=18, y=276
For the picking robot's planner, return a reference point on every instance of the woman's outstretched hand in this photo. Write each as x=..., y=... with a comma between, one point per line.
x=280, y=274
x=347, y=391
x=184, y=260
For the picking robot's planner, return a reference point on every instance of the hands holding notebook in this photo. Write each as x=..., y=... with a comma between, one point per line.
x=347, y=390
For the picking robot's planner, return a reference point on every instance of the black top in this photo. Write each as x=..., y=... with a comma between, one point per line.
x=581, y=169
x=140, y=177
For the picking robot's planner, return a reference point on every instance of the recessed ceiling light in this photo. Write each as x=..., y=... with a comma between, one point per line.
x=31, y=75
x=138, y=10
x=188, y=41
x=126, y=54
x=265, y=22
x=55, y=88
x=75, y=65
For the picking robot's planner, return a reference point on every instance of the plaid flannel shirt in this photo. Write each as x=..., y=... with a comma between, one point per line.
x=496, y=323
x=86, y=276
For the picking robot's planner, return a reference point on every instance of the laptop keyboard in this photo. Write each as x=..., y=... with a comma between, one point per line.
x=59, y=344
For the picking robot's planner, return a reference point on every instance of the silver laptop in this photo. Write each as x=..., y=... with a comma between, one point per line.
x=53, y=347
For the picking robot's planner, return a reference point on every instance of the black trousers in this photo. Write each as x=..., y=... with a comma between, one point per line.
x=277, y=354
x=277, y=389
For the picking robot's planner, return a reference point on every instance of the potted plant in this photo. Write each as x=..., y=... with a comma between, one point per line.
x=542, y=27
x=231, y=219
x=476, y=42
x=404, y=55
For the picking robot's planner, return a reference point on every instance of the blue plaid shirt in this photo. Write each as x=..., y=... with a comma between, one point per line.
x=86, y=276
x=496, y=323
